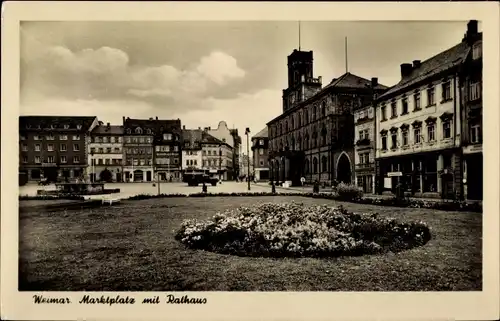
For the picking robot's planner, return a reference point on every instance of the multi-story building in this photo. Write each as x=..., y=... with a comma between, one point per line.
x=231, y=138
x=260, y=145
x=313, y=137
x=192, y=160
x=217, y=156
x=167, y=149
x=54, y=147
x=246, y=165
x=418, y=127
x=364, y=150
x=105, y=153
x=472, y=137
x=236, y=152
x=138, y=149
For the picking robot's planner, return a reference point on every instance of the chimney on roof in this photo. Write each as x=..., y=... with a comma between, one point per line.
x=374, y=82
x=123, y=118
x=183, y=126
x=416, y=64
x=472, y=31
x=156, y=117
x=406, y=70
x=199, y=128
x=108, y=125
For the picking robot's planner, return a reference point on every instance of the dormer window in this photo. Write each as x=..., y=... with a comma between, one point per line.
x=149, y=131
x=28, y=126
x=138, y=130
x=78, y=127
x=66, y=126
x=129, y=131
x=167, y=136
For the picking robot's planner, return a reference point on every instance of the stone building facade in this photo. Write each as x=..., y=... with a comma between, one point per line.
x=217, y=156
x=138, y=150
x=233, y=140
x=313, y=137
x=260, y=148
x=192, y=160
x=54, y=147
x=167, y=146
x=471, y=79
x=419, y=126
x=106, y=152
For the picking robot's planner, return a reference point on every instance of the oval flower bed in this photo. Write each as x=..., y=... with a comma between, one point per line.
x=292, y=229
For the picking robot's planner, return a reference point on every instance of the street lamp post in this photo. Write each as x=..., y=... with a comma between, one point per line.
x=247, y=132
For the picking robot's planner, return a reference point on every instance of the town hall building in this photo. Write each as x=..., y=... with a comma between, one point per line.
x=313, y=137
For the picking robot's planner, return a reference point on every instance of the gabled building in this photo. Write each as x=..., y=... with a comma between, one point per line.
x=138, y=149
x=217, y=156
x=192, y=160
x=106, y=152
x=260, y=148
x=313, y=137
x=54, y=147
x=167, y=150
x=419, y=126
x=230, y=137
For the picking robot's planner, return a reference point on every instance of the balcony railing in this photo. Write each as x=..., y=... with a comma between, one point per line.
x=363, y=142
x=365, y=165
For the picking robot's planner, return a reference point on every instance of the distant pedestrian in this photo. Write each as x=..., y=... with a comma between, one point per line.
x=302, y=180
x=316, y=187
x=273, y=187
x=204, y=188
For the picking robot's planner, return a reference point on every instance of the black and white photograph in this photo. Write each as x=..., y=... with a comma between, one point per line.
x=201, y=156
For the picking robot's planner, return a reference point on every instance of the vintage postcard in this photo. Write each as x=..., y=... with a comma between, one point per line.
x=250, y=161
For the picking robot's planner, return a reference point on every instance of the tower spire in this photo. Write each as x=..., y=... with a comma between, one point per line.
x=299, y=35
x=346, y=62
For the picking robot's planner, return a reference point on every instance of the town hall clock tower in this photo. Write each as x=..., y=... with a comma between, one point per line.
x=301, y=83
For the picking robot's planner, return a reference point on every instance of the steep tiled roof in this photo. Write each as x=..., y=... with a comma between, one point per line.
x=209, y=139
x=349, y=80
x=262, y=134
x=56, y=123
x=192, y=136
x=431, y=67
x=105, y=130
x=157, y=126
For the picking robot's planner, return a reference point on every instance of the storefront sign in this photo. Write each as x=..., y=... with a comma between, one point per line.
x=473, y=149
x=392, y=174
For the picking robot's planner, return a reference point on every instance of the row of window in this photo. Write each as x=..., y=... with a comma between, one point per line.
x=66, y=126
x=417, y=135
x=107, y=150
x=260, y=142
x=106, y=161
x=303, y=117
x=166, y=161
x=50, y=137
x=306, y=143
x=106, y=139
x=51, y=147
x=139, y=150
x=166, y=148
x=315, y=169
x=51, y=159
x=474, y=94
x=139, y=140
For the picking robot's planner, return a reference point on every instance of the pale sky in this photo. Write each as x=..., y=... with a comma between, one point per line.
x=204, y=72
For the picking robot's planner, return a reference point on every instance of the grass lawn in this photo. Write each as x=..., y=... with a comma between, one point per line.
x=131, y=247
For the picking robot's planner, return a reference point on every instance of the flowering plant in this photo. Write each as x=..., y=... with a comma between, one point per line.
x=292, y=229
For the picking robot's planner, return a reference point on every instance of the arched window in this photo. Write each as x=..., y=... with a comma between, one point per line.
x=314, y=139
x=128, y=131
x=323, y=135
x=323, y=109
x=314, y=114
x=286, y=126
x=299, y=142
x=306, y=117
x=315, y=165
x=299, y=119
x=282, y=129
x=293, y=144
x=149, y=131
x=293, y=122
x=306, y=166
x=324, y=164
x=138, y=130
x=281, y=146
x=306, y=142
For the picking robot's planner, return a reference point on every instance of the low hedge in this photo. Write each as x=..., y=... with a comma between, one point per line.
x=395, y=202
x=51, y=197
